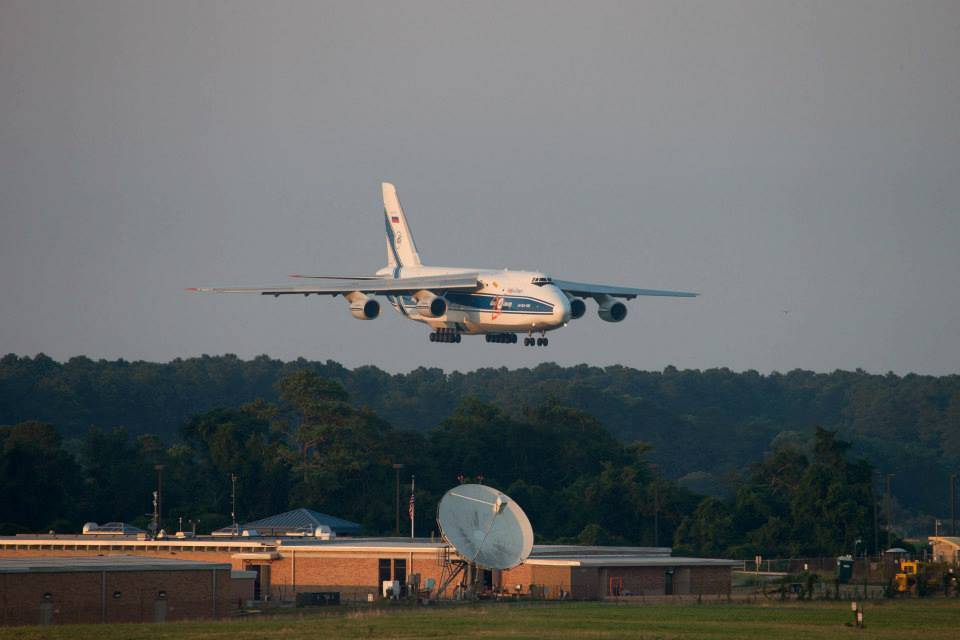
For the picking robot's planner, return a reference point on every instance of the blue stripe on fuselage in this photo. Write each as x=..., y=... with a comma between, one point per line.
x=485, y=302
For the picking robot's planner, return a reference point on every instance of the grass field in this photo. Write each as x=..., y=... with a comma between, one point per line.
x=821, y=620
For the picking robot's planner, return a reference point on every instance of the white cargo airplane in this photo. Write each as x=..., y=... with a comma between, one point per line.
x=498, y=304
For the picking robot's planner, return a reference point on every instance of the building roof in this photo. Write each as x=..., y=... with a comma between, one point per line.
x=302, y=520
x=65, y=564
x=566, y=550
x=111, y=529
x=951, y=540
x=402, y=545
x=629, y=561
x=262, y=548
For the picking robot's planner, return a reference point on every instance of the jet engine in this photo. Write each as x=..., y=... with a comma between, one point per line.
x=363, y=307
x=611, y=310
x=430, y=305
x=577, y=308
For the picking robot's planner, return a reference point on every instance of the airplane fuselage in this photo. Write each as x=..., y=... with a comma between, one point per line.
x=506, y=302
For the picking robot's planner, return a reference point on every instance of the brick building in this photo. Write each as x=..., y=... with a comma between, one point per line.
x=945, y=549
x=48, y=589
x=356, y=567
x=592, y=573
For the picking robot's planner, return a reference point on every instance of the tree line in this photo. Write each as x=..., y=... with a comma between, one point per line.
x=314, y=447
x=704, y=428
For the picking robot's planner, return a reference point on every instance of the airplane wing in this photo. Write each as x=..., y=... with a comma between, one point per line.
x=586, y=290
x=303, y=277
x=386, y=286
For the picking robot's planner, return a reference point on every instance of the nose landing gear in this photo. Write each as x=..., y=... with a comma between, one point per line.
x=539, y=342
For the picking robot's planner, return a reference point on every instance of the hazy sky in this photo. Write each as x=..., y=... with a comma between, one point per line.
x=800, y=156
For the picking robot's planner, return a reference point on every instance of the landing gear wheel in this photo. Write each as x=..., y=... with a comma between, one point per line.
x=433, y=337
x=456, y=338
x=546, y=341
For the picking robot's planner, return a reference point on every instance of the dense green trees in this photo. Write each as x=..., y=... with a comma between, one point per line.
x=38, y=478
x=792, y=504
x=703, y=429
x=314, y=448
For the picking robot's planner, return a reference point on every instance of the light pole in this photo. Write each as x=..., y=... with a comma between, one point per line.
x=396, y=467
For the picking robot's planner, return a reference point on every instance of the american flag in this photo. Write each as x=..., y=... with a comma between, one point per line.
x=410, y=509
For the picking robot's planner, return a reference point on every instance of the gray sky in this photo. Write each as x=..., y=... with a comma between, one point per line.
x=796, y=155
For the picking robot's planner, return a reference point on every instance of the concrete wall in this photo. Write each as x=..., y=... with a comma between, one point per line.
x=85, y=597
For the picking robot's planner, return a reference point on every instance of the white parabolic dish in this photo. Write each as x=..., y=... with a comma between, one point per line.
x=485, y=526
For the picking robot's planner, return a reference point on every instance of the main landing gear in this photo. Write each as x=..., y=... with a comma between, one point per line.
x=445, y=335
x=502, y=338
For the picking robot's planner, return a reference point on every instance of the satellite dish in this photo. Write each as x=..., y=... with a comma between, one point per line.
x=486, y=527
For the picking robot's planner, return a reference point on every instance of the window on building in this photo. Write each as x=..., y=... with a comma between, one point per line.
x=383, y=571
x=400, y=570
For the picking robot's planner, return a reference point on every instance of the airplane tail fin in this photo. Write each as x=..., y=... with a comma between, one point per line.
x=401, y=250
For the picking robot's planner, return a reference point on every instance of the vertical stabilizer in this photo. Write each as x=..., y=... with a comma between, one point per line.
x=401, y=250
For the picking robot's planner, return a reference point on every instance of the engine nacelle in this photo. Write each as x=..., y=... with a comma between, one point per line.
x=611, y=310
x=363, y=307
x=430, y=305
x=577, y=308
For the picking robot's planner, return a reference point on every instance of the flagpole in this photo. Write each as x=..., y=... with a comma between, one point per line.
x=413, y=481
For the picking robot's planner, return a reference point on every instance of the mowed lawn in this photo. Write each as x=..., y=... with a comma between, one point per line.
x=930, y=619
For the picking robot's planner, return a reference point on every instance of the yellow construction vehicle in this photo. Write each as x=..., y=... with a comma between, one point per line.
x=922, y=578
x=909, y=577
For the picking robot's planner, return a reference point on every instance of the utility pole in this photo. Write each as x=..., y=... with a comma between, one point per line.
x=873, y=498
x=887, y=508
x=413, y=484
x=159, y=468
x=953, y=504
x=656, y=513
x=656, y=504
x=154, y=528
x=233, y=503
x=396, y=467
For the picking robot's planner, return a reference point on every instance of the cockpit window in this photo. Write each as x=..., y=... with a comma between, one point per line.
x=542, y=280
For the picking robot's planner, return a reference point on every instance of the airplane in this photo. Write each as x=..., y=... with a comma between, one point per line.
x=454, y=302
